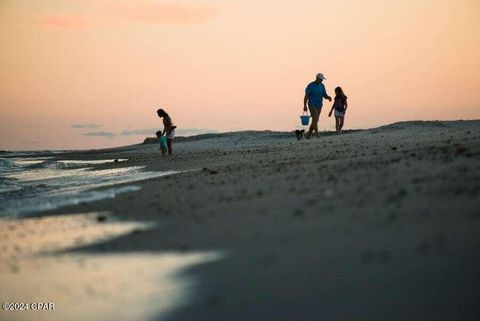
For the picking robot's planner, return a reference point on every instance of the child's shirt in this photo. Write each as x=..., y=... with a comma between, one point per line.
x=339, y=103
x=163, y=142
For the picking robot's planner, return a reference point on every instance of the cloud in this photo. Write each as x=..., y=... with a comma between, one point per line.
x=152, y=131
x=90, y=126
x=65, y=22
x=95, y=14
x=167, y=13
x=139, y=132
x=194, y=131
x=144, y=132
x=101, y=134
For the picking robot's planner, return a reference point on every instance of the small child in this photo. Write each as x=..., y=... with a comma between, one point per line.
x=340, y=105
x=168, y=129
x=163, y=143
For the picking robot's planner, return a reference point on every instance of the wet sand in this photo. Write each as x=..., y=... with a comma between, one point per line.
x=38, y=267
x=379, y=224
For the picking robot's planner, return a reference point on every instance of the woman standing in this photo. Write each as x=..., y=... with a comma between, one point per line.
x=168, y=129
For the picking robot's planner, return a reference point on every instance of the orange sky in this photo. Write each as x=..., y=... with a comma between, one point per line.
x=90, y=74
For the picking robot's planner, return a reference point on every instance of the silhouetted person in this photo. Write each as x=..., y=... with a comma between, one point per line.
x=314, y=94
x=168, y=129
x=162, y=140
x=340, y=106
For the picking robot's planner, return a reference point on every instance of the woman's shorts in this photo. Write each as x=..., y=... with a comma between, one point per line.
x=339, y=113
x=171, y=135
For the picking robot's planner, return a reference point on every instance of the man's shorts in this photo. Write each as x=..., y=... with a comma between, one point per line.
x=315, y=111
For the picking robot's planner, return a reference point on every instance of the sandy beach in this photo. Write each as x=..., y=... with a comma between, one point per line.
x=378, y=224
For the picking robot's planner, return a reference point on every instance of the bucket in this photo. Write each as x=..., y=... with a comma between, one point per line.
x=305, y=119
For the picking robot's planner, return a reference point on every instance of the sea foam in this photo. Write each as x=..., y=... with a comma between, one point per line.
x=29, y=185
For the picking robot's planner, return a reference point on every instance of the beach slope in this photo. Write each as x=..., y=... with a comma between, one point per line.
x=379, y=224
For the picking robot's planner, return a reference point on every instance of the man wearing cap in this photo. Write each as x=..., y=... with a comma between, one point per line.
x=314, y=94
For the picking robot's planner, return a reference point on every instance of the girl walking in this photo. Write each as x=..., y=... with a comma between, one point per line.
x=340, y=107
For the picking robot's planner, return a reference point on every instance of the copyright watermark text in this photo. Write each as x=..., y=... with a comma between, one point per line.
x=26, y=306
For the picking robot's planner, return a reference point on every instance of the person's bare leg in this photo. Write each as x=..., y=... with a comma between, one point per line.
x=337, y=121
x=170, y=146
x=310, y=130
x=316, y=124
x=340, y=124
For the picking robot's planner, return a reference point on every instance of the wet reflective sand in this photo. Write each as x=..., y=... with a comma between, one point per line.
x=37, y=267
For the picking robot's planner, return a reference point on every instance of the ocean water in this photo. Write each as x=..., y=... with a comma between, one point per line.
x=30, y=184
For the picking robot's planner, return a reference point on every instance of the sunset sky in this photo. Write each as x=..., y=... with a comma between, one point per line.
x=90, y=74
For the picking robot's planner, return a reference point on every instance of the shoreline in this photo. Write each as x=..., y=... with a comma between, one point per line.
x=377, y=224
x=212, y=135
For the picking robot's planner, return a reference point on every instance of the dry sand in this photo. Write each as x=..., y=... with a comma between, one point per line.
x=380, y=224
